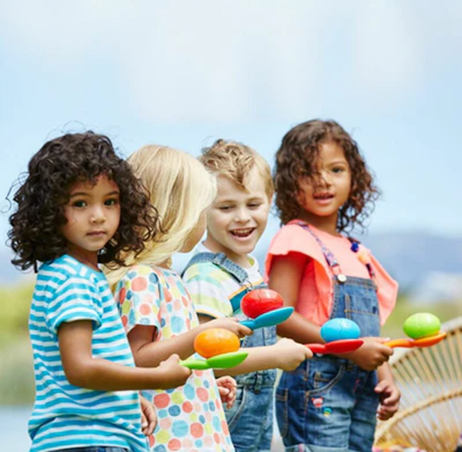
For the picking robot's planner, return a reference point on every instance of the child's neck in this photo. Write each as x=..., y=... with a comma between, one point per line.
x=90, y=259
x=326, y=224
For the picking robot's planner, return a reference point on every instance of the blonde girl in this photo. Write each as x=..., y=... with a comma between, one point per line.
x=157, y=312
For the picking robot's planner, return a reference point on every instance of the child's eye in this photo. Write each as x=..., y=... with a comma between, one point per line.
x=254, y=205
x=79, y=204
x=225, y=208
x=338, y=170
x=111, y=202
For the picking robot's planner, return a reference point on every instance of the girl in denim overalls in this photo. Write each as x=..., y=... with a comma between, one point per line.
x=323, y=187
x=223, y=271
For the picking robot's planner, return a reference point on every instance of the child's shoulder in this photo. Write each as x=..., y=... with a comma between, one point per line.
x=153, y=273
x=65, y=267
x=205, y=270
x=143, y=270
x=293, y=237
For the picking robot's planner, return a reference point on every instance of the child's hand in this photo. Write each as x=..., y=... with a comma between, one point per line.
x=148, y=417
x=174, y=374
x=291, y=354
x=230, y=324
x=389, y=396
x=227, y=389
x=372, y=354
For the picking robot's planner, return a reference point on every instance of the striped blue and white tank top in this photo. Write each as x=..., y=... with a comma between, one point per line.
x=64, y=415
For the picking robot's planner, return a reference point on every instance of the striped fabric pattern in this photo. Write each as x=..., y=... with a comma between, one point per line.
x=212, y=288
x=64, y=415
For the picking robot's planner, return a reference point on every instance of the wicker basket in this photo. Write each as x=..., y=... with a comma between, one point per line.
x=430, y=381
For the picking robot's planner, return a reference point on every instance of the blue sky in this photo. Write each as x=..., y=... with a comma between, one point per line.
x=185, y=73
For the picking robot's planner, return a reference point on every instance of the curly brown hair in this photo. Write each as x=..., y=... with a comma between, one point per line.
x=296, y=159
x=35, y=234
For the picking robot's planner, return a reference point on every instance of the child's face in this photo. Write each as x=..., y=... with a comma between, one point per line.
x=237, y=218
x=324, y=195
x=92, y=214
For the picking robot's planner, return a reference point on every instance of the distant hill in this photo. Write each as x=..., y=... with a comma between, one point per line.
x=412, y=256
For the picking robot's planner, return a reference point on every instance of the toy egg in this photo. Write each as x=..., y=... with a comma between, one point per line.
x=260, y=301
x=337, y=329
x=421, y=325
x=216, y=341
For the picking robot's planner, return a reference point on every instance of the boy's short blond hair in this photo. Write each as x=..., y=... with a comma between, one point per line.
x=235, y=161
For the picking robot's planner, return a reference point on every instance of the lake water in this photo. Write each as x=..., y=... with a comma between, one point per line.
x=13, y=428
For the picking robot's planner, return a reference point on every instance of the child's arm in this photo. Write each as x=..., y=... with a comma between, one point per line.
x=148, y=352
x=81, y=369
x=286, y=354
x=372, y=354
x=285, y=278
x=388, y=393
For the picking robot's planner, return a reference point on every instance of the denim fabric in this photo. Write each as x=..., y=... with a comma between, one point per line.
x=328, y=404
x=250, y=420
x=94, y=449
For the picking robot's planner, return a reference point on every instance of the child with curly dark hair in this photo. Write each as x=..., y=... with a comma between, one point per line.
x=324, y=189
x=81, y=205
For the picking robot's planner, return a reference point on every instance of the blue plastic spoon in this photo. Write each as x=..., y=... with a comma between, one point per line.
x=270, y=318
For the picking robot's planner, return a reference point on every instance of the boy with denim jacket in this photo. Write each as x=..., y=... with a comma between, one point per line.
x=223, y=271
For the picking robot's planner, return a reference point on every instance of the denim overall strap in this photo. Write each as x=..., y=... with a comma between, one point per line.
x=226, y=264
x=328, y=255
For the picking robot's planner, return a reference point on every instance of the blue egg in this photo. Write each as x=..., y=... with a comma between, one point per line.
x=337, y=329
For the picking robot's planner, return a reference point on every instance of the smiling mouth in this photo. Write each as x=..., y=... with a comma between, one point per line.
x=242, y=233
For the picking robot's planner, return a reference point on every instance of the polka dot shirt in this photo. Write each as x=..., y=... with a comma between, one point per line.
x=191, y=417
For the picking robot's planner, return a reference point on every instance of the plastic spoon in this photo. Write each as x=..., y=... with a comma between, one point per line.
x=336, y=347
x=223, y=361
x=270, y=318
x=422, y=342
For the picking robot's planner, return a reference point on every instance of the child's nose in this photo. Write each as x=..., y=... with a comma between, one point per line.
x=242, y=215
x=325, y=179
x=97, y=215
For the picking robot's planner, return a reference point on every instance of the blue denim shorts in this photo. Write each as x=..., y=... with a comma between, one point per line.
x=327, y=405
x=250, y=420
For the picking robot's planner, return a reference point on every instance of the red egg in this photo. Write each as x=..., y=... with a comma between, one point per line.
x=259, y=301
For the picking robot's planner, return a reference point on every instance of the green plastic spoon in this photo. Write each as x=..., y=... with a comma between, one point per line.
x=223, y=361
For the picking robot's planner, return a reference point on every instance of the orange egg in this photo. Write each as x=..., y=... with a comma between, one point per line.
x=216, y=341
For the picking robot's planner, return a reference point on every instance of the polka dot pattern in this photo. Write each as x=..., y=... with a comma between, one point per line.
x=190, y=418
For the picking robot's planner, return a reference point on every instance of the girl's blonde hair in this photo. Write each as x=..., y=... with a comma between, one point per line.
x=180, y=189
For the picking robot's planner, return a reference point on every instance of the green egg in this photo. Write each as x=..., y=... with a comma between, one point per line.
x=422, y=325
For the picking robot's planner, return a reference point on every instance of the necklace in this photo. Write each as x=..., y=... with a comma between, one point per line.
x=363, y=255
